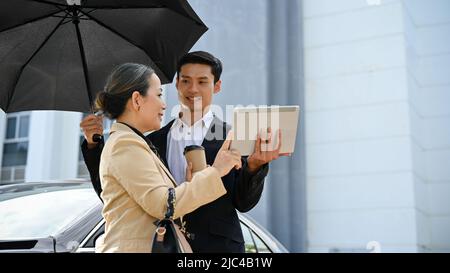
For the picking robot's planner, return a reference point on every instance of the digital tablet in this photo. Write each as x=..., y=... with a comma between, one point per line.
x=248, y=121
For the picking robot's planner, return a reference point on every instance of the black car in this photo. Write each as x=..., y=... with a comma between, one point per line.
x=66, y=216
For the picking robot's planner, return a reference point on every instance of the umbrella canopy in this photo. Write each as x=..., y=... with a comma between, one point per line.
x=56, y=54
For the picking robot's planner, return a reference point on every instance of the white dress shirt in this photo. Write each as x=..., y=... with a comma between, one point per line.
x=182, y=135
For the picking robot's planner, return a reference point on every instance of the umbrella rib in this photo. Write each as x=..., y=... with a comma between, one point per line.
x=31, y=21
x=117, y=33
x=123, y=7
x=49, y=3
x=146, y=7
x=87, y=12
x=59, y=16
x=22, y=68
x=70, y=20
x=67, y=13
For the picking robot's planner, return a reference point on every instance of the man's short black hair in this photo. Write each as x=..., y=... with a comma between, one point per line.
x=202, y=57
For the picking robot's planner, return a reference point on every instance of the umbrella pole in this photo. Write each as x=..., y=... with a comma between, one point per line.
x=76, y=22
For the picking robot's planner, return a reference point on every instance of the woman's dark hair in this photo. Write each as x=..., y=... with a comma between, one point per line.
x=121, y=83
x=201, y=57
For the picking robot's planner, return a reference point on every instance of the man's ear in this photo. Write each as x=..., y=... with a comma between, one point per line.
x=176, y=82
x=217, y=86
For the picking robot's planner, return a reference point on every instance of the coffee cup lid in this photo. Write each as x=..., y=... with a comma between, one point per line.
x=192, y=148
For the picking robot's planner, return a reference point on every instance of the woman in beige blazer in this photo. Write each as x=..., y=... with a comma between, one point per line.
x=134, y=180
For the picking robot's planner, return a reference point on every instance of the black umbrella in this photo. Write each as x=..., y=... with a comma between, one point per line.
x=56, y=54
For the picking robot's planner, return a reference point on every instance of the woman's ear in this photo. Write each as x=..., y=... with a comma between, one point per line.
x=136, y=100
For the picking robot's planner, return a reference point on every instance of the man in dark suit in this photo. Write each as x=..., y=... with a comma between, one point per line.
x=213, y=227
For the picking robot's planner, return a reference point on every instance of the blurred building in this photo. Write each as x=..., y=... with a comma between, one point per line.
x=371, y=168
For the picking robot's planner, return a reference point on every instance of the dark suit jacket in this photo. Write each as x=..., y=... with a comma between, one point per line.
x=215, y=226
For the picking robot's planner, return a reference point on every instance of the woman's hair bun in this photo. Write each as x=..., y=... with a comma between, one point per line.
x=121, y=83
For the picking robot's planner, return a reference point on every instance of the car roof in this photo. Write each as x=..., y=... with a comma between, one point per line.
x=26, y=188
x=78, y=228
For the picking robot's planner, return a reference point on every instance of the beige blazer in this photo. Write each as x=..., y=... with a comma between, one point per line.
x=135, y=187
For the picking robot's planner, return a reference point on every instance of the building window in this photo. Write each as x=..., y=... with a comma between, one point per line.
x=15, y=148
x=82, y=169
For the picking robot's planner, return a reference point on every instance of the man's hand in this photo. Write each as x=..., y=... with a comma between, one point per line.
x=92, y=125
x=259, y=158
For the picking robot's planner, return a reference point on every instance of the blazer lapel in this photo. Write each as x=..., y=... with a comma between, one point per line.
x=120, y=126
x=159, y=139
x=214, y=139
x=164, y=169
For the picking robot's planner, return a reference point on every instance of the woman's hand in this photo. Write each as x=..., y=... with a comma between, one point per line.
x=227, y=159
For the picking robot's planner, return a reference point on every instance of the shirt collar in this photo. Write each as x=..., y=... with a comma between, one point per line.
x=206, y=121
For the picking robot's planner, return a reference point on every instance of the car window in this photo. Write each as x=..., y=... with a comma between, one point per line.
x=91, y=241
x=43, y=214
x=250, y=246
x=260, y=245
